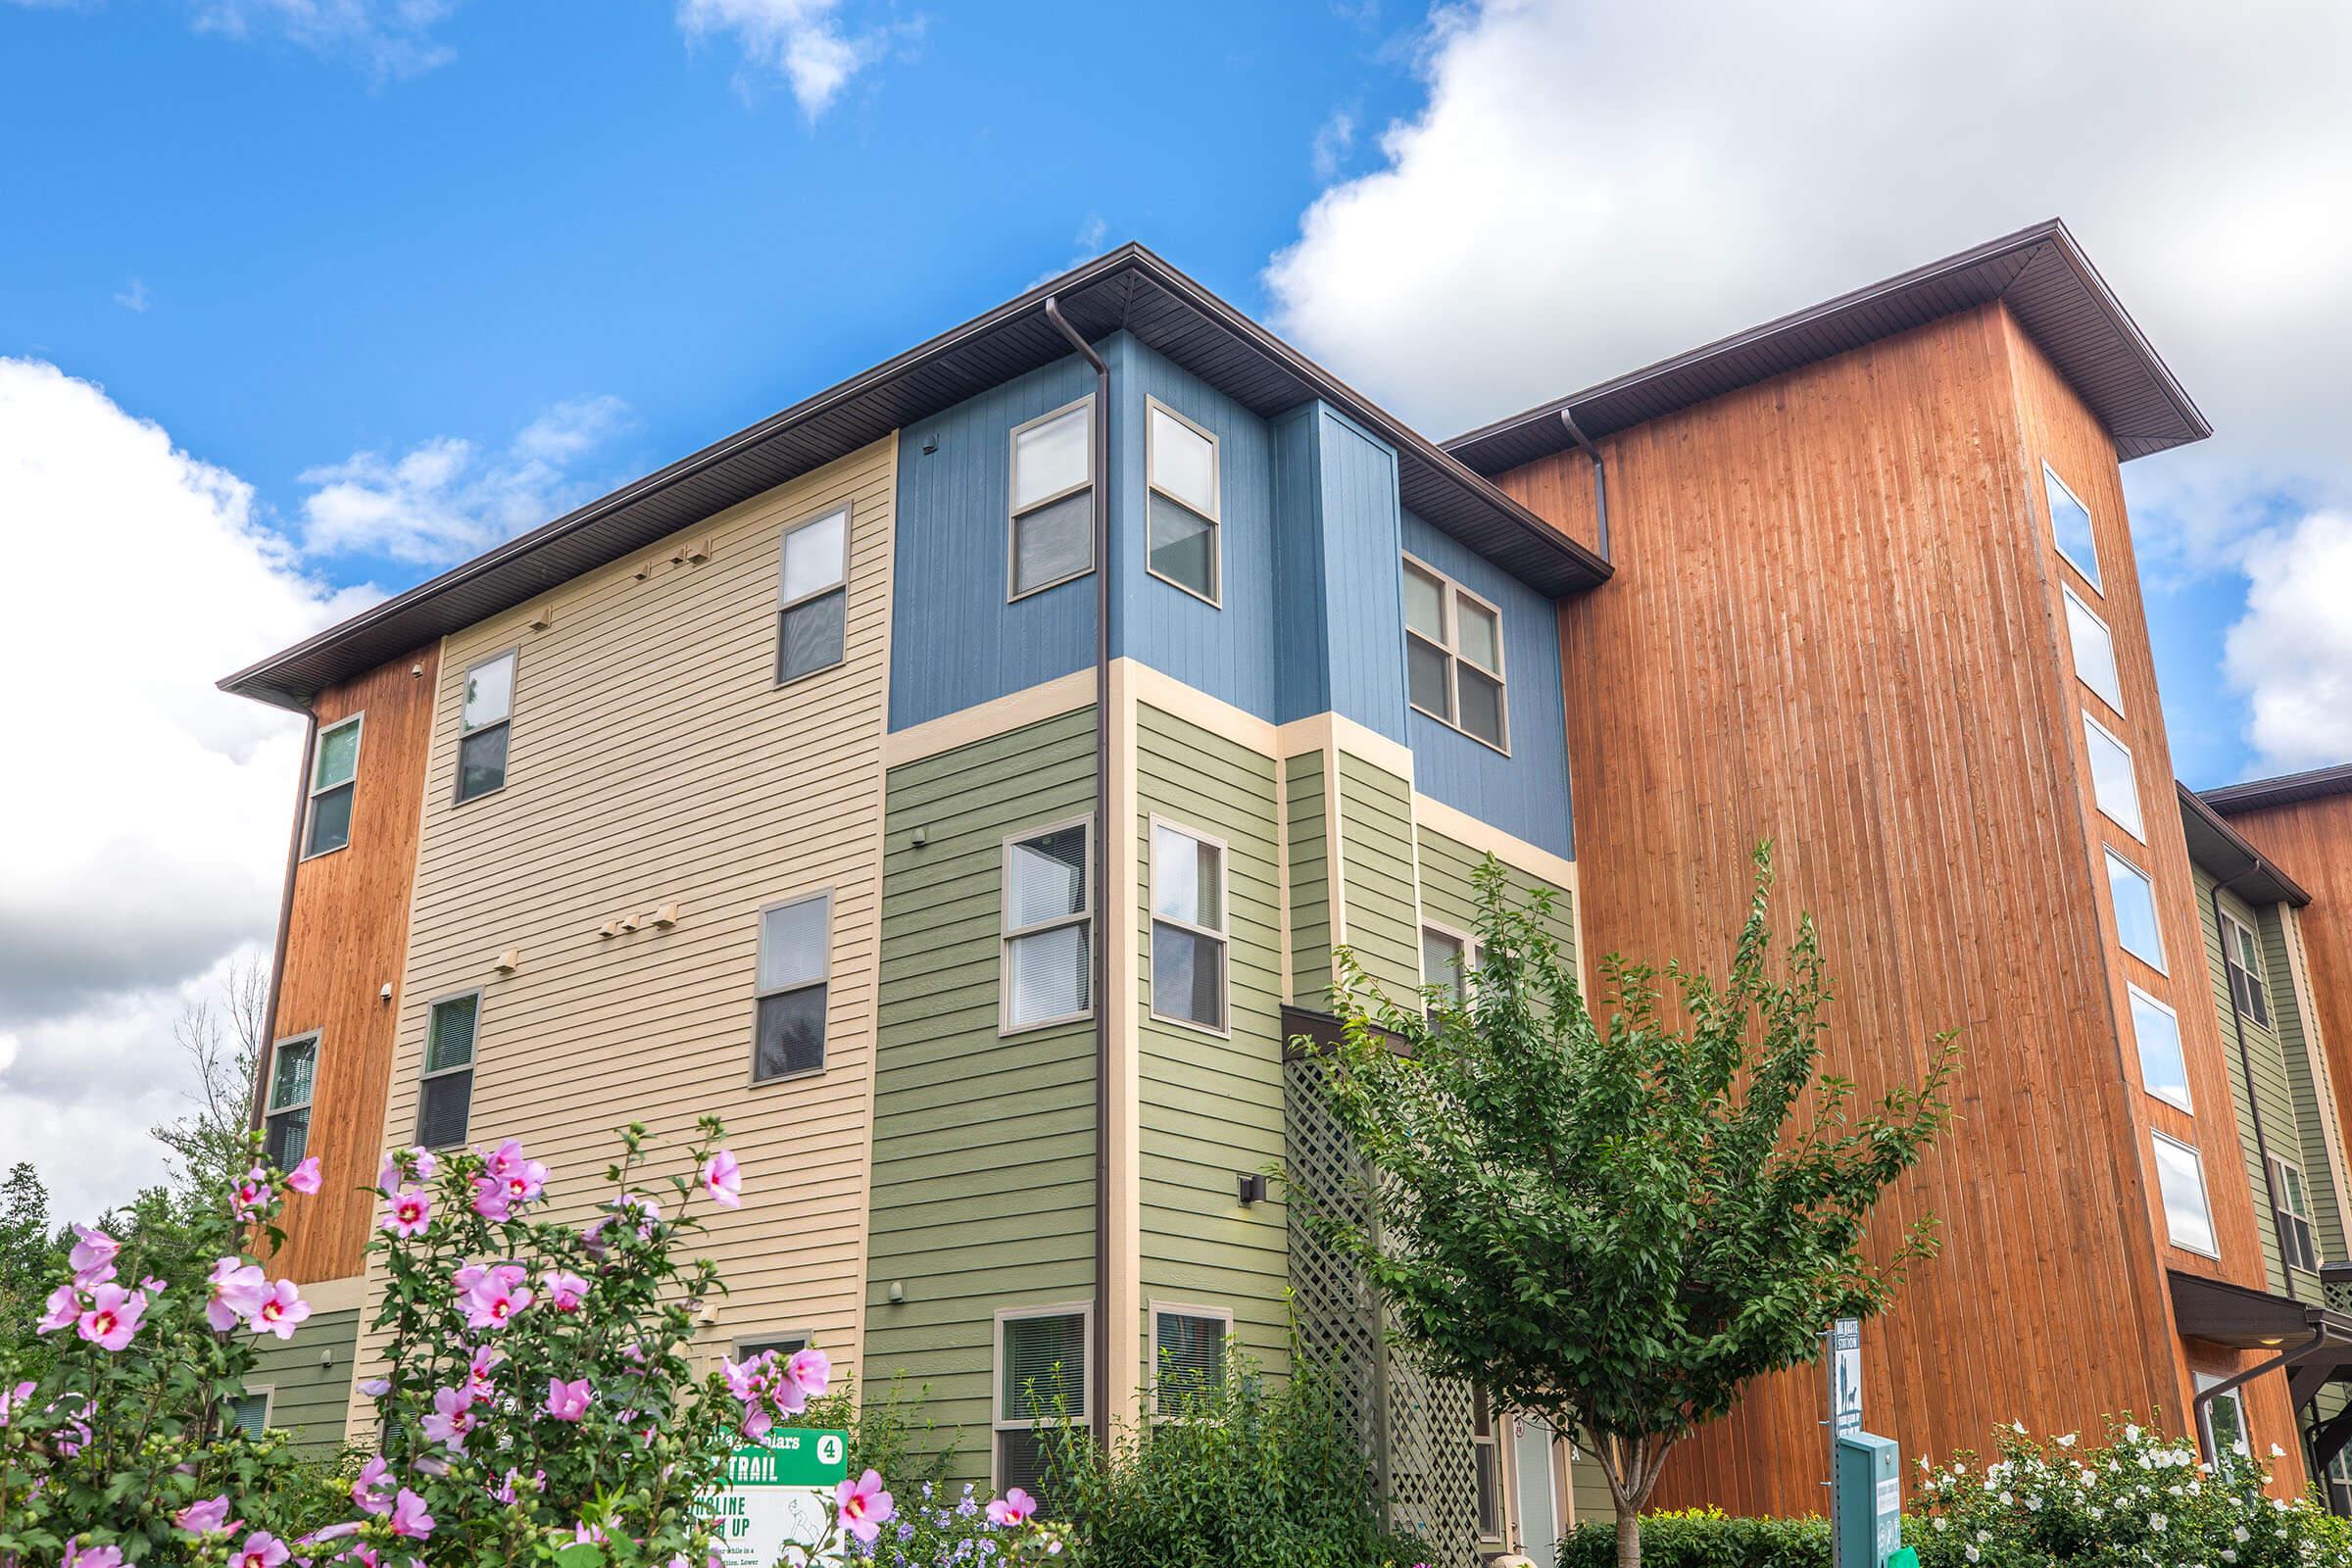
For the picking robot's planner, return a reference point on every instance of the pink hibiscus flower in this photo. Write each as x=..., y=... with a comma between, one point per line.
x=567, y=1401
x=494, y=1294
x=408, y=1517
x=864, y=1508
x=233, y=1294
x=490, y=1199
x=281, y=1311
x=566, y=1291
x=94, y=1256
x=722, y=1179
x=372, y=1491
x=304, y=1178
x=81, y=1556
x=1012, y=1509
x=64, y=1306
x=261, y=1549
x=111, y=1317
x=809, y=1371
x=479, y=1389
x=410, y=1213
x=206, y=1518
x=451, y=1420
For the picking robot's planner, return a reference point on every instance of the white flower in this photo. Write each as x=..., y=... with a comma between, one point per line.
x=1941, y=1523
x=1974, y=1555
x=2130, y=1434
x=2067, y=1442
x=2157, y=1522
x=2277, y=1452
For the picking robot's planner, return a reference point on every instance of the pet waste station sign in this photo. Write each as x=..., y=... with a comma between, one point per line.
x=775, y=1497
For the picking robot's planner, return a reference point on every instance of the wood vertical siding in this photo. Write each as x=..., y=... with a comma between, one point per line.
x=1834, y=623
x=653, y=759
x=347, y=938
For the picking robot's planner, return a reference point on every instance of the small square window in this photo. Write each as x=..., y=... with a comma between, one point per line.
x=2113, y=782
x=2134, y=898
x=2156, y=1031
x=2180, y=1178
x=334, y=779
x=293, y=1075
x=812, y=614
x=483, y=721
x=445, y=1099
x=1188, y=1355
x=789, y=1032
x=2094, y=650
x=2070, y=523
x=249, y=1412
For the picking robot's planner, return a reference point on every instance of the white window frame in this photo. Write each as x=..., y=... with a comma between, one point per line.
x=473, y=1062
x=997, y=1421
x=1010, y=933
x=825, y=978
x=847, y=511
x=2244, y=1446
x=270, y=1108
x=1469, y=946
x=268, y=1393
x=2138, y=827
x=314, y=790
x=2282, y=1171
x=2112, y=699
x=758, y=1339
x=1220, y=1314
x=1491, y=1440
x=2204, y=1196
x=1014, y=593
x=2091, y=573
x=2257, y=978
x=1451, y=590
x=1223, y=938
x=506, y=776
x=2140, y=1052
x=2116, y=857
x=1214, y=517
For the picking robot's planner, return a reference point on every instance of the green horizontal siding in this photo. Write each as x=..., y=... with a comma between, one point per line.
x=984, y=1143
x=1307, y=827
x=2306, y=1088
x=308, y=1400
x=1376, y=883
x=2271, y=1090
x=1449, y=896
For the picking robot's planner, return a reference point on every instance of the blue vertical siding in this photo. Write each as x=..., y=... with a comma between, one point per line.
x=954, y=639
x=1340, y=629
x=1525, y=794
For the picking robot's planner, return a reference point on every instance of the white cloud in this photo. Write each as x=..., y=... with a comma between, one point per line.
x=1590, y=187
x=2291, y=652
x=444, y=501
x=389, y=38
x=1335, y=139
x=135, y=297
x=146, y=809
x=800, y=40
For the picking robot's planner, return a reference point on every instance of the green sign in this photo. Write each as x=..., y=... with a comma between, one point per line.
x=774, y=1496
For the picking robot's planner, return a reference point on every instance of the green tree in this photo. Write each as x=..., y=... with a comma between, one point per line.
x=32, y=1246
x=1614, y=1226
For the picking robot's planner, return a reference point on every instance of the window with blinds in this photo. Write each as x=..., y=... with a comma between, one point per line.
x=1180, y=461
x=1047, y=960
x=293, y=1075
x=445, y=1099
x=2241, y=954
x=812, y=615
x=1043, y=1375
x=248, y=1413
x=789, y=1016
x=2298, y=1242
x=1052, y=502
x=1188, y=1355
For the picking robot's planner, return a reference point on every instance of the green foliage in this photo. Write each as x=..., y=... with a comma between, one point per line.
x=1705, y=1538
x=1256, y=1471
x=893, y=1435
x=33, y=1258
x=1616, y=1226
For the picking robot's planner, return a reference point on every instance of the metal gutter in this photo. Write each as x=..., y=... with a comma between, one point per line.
x=1601, y=481
x=1100, y=978
x=285, y=920
x=2313, y=785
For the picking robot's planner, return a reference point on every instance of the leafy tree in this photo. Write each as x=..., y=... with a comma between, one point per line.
x=32, y=1246
x=1615, y=1226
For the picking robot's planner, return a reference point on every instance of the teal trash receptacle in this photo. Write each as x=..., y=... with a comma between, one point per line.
x=1869, y=1527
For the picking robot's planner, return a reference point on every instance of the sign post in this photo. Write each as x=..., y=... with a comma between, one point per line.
x=774, y=1496
x=1843, y=1365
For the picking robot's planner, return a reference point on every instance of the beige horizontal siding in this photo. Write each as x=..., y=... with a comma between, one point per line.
x=652, y=760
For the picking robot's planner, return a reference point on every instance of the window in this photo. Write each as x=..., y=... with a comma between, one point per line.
x=1453, y=655
x=483, y=726
x=2298, y=1242
x=2134, y=899
x=1049, y=966
x=334, y=768
x=2112, y=780
x=1485, y=1461
x=2094, y=650
x=789, y=1031
x=249, y=1412
x=445, y=1101
x=1183, y=461
x=784, y=1345
x=1188, y=1354
x=2162, y=1071
x=1052, y=500
x=293, y=1070
x=2228, y=1417
x=1445, y=963
x=2241, y=954
x=1187, y=928
x=813, y=612
x=2070, y=523
x=2180, y=1178
x=1044, y=1373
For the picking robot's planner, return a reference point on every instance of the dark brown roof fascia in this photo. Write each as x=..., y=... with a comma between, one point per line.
x=2255, y=793
x=2222, y=850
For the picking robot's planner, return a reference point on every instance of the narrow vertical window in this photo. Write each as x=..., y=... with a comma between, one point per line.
x=1049, y=957
x=794, y=961
x=445, y=1099
x=2298, y=1242
x=2070, y=526
x=483, y=723
x=1453, y=655
x=812, y=611
x=1053, y=533
x=2180, y=1178
x=334, y=777
x=1188, y=1355
x=1445, y=964
x=1182, y=461
x=1043, y=1374
x=1187, y=928
x=2113, y=783
x=2135, y=900
x=1486, y=1465
x=2156, y=1031
x=2094, y=650
x=2242, y=955
x=287, y=1124
x=2226, y=1413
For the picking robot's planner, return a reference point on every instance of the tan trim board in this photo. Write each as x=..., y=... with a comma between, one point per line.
x=336, y=1296
x=1122, y=1129
x=1062, y=694
x=1329, y=731
x=1511, y=851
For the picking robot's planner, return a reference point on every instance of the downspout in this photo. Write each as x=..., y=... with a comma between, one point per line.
x=2245, y=1067
x=1104, y=839
x=1601, y=482
x=285, y=918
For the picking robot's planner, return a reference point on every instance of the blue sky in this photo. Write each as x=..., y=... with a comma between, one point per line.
x=301, y=301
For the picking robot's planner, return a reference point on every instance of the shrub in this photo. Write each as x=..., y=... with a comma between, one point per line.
x=1704, y=1538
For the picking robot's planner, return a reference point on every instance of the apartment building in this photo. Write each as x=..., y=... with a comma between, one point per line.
x=961, y=782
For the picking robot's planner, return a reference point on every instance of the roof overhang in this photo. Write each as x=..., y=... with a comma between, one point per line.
x=2256, y=794
x=1130, y=290
x=2040, y=274
x=2238, y=865
x=2246, y=1320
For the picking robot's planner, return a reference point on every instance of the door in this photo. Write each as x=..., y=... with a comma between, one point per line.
x=1537, y=1518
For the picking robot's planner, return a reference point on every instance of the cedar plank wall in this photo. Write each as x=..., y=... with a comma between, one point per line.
x=347, y=935
x=2312, y=842
x=1832, y=623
